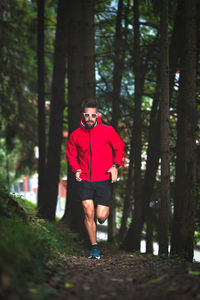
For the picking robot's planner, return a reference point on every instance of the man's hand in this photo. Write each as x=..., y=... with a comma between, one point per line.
x=114, y=172
x=78, y=173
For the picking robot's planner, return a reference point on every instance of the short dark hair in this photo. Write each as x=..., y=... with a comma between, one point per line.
x=89, y=103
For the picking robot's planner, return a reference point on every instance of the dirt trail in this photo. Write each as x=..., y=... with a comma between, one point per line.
x=122, y=275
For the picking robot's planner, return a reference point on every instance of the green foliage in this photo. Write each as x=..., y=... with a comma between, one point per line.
x=29, y=246
x=197, y=236
x=163, y=255
x=18, y=84
x=194, y=273
x=3, y=198
x=13, y=164
x=18, y=78
x=31, y=208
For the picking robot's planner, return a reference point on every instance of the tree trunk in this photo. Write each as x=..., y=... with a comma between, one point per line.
x=73, y=211
x=81, y=85
x=176, y=45
x=128, y=195
x=41, y=103
x=2, y=92
x=52, y=170
x=89, y=86
x=1, y=50
x=134, y=233
x=112, y=229
x=129, y=186
x=1, y=22
x=153, y=154
x=185, y=189
x=118, y=67
x=149, y=232
x=117, y=78
x=164, y=128
x=1, y=36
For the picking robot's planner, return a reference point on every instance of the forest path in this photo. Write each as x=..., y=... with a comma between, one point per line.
x=122, y=275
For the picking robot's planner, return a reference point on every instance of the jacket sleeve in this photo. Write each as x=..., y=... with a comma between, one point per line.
x=118, y=146
x=72, y=154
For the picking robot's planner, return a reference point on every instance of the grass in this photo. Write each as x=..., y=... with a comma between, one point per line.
x=30, y=247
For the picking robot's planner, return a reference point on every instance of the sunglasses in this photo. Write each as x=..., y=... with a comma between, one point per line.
x=86, y=115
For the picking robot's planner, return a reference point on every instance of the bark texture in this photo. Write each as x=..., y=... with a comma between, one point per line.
x=164, y=128
x=153, y=155
x=81, y=85
x=52, y=170
x=176, y=45
x=134, y=233
x=117, y=78
x=185, y=185
x=41, y=103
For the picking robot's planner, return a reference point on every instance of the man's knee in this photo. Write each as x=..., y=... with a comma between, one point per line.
x=88, y=207
x=89, y=215
x=102, y=215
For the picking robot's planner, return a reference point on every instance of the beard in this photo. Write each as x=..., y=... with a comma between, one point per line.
x=89, y=124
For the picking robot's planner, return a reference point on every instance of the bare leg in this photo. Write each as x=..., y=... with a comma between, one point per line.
x=102, y=212
x=88, y=206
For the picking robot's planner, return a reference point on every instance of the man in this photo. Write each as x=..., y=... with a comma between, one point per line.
x=94, y=152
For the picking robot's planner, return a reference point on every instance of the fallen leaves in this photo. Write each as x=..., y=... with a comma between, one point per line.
x=123, y=276
x=117, y=279
x=156, y=281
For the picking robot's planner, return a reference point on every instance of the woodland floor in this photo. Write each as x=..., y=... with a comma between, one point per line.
x=122, y=275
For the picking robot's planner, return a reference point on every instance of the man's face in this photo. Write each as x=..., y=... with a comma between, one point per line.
x=90, y=117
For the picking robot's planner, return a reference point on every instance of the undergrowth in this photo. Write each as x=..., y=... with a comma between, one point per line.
x=29, y=246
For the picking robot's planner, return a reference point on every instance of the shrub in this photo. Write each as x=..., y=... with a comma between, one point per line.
x=29, y=244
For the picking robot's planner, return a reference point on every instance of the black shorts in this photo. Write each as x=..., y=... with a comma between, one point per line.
x=98, y=191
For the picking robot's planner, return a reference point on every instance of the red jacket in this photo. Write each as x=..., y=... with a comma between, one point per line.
x=91, y=150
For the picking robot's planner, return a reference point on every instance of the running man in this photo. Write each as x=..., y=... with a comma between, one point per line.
x=94, y=152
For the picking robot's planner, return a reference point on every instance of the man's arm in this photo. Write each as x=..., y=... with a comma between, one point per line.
x=77, y=175
x=72, y=154
x=113, y=172
x=118, y=147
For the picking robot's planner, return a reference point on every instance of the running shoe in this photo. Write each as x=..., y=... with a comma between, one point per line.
x=95, y=252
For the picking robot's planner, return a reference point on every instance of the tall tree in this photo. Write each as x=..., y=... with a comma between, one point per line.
x=81, y=85
x=128, y=194
x=153, y=155
x=164, y=128
x=176, y=44
x=41, y=100
x=134, y=233
x=119, y=53
x=185, y=185
x=1, y=48
x=118, y=65
x=89, y=86
x=129, y=184
x=73, y=211
x=52, y=169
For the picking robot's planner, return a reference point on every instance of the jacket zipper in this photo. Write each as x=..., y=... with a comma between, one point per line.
x=90, y=156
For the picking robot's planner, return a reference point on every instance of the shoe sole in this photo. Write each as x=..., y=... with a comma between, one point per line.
x=101, y=222
x=95, y=257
